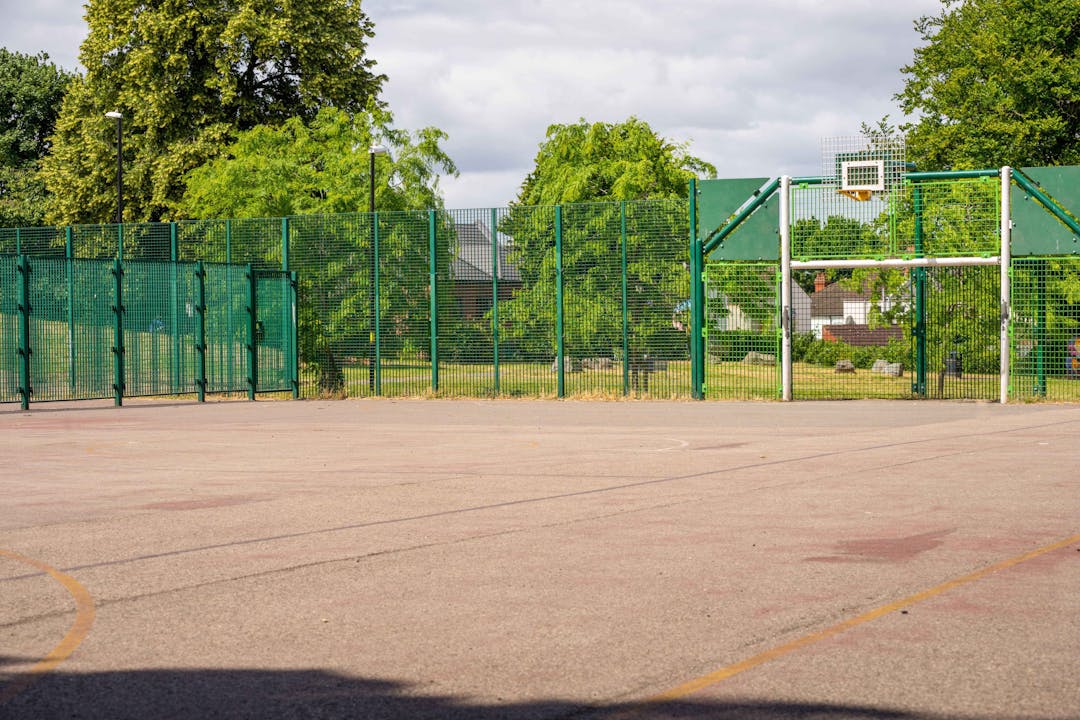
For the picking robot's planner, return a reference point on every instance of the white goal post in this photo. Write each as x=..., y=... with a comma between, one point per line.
x=787, y=265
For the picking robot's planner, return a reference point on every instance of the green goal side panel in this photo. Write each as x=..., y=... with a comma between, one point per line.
x=758, y=236
x=1035, y=231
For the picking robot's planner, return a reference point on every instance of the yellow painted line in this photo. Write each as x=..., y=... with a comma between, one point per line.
x=699, y=683
x=84, y=618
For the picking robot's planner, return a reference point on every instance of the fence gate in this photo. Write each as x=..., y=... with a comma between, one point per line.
x=76, y=329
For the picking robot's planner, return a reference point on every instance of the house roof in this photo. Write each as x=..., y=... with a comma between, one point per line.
x=472, y=259
x=830, y=301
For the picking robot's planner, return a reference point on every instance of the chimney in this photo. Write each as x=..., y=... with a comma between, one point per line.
x=819, y=282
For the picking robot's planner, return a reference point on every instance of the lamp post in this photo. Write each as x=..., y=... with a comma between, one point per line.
x=373, y=360
x=119, y=118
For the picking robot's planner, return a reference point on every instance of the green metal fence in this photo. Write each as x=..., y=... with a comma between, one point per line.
x=1046, y=329
x=584, y=300
x=73, y=329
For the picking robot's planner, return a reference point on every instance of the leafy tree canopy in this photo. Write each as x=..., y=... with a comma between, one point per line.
x=189, y=75
x=586, y=162
x=321, y=167
x=997, y=83
x=583, y=163
x=31, y=90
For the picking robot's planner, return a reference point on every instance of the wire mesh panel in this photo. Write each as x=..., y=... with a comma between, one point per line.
x=592, y=245
x=405, y=303
x=226, y=296
x=657, y=298
x=93, y=296
x=963, y=325
x=948, y=219
x=47, y=241
x=255, y=241
x=333, y=256
x=273, y=331
x=828, y=224
x=527, y=319
x=9, y=329
x=96, y=242
x=1045, y=360
x=50, y=337
x=159, y=328
x=148, y=241
x=742, y=336
x=467, y=281
x=852, y=334
x=206, y=240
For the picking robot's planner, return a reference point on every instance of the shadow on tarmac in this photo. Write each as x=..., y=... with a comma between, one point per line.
x=268, y=695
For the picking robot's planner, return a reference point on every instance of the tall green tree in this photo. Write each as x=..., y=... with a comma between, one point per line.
x=31, y=90
x=591, y=163
x=997, y=82
x=187, y=75
x=319, y=171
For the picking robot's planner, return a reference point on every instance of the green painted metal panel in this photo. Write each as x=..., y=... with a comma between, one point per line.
x=1035, y=230
x=758, y=236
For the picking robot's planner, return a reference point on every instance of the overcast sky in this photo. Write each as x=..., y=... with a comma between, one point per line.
x=752, y=85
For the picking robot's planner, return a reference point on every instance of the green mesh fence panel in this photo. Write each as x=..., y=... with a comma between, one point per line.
x=658, y=296
x=273, y=331
x=332, y=256
x=206, y=240
x=405, y=303
x=592, y=303
x=72, y=328
x=862, y=342
x=465, y=285
x=159, y=328
x=148, y=241
x=1045, y=361
x=955, y=218
x=9, y=329
x=256, y=241
x=527, y=319
x=47, y=241
x=96, y=242
x=742, y=337
x=226, y=296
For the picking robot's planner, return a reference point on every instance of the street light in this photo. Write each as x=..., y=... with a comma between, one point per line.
x=375, y=150
x=373, y=360
x=119, y=118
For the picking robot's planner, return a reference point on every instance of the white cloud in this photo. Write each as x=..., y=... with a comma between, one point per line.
x=754, y=86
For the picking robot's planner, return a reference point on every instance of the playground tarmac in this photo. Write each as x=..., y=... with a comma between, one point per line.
x=540, y=559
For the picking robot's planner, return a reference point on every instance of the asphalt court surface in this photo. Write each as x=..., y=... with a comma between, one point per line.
x=529, y=559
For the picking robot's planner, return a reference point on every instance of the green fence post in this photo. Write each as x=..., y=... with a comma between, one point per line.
x=18, y=241
x=294, y=336
x=697, y=300
x=560, y=372
x=230, y=375
x=69, y=256
x=176, y=372
x=284, y=244
x=433, y=266
x=200, y=330
x=23, y=267
x=495, y=294
x=252, y=340
x=286, y=293
x=118, y=330
x=1040, y=328
x=119, y=241
x=376, y=336
x=625, y=303
x=919, y=331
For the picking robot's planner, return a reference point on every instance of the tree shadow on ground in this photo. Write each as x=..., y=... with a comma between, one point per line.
x=308, y=694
